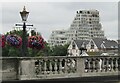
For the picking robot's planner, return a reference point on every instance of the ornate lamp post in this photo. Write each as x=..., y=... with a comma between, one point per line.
x=24, y=15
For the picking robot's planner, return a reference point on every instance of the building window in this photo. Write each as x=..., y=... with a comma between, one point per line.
x=73, y=45
x=80, y=11
x=92, y=46
x=88, y=12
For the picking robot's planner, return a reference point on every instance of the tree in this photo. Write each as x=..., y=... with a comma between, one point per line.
x=59, y=50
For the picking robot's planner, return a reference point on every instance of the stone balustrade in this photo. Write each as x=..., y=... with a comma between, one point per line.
x=27, y=68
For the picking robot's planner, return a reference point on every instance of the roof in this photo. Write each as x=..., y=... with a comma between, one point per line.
x=106, y=43
x=79, y=43
x=98, y=41
x=109, y=44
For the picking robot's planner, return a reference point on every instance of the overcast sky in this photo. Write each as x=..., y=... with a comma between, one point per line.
x=48, y=16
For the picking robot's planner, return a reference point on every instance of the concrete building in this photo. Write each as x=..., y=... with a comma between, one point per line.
x=86, y=25
x=57, y=38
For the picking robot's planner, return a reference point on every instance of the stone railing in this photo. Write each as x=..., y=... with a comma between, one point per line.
x=27, y=68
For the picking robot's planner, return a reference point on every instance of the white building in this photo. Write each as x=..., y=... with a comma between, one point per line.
x=78, y=47
x=29, y=29
x=57, y=38
x=86, y=25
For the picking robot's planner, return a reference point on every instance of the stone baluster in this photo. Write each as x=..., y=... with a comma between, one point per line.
x=45, y=67
x=88, y=65
x=116, y=64
x=65, y=66
x=100, y=64
x=94, y=66
x=111, y=64
x=107, y=64
x=103, y=65
x=55, y=66
x=50, y=67
x=91, y=65
x=75, y=65
x=60, y=66
x=40, y=67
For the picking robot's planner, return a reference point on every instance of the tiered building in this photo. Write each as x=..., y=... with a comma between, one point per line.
x=57, y=38
x=86, y=25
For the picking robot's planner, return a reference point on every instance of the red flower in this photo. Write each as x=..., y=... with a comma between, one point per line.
x=36, y=42
x=2, y=41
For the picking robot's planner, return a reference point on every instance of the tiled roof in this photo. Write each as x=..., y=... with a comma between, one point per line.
x=80, y=42
x=106, y=43
x=98, y=42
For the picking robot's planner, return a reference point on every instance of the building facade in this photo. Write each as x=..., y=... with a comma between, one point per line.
x=86, y=25
x=57, y=38
x=78, y=47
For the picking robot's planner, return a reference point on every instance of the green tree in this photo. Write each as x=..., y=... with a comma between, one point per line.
x=59, y=50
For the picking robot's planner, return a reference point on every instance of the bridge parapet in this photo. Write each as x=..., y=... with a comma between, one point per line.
x=29, y=68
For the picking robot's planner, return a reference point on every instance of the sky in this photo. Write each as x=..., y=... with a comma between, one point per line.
x=48, y=16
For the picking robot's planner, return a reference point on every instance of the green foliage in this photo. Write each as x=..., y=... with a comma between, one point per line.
x=33, y=32
x=59, y=50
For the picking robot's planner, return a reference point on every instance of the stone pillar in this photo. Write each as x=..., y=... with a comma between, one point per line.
x=27, y=69
x=80, y=66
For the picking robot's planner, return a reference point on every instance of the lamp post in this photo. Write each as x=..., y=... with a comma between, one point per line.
x=24, y=15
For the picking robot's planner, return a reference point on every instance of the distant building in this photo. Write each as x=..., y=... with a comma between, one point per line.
x=29, y=29
x=57, y=38
x=77, y=47
x=86, y=25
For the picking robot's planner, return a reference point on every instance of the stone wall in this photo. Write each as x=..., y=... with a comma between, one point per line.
x=9, y=68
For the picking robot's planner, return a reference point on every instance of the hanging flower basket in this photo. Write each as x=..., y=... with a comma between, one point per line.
x=2, y=41
x=14, y=40
x=36, y=42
